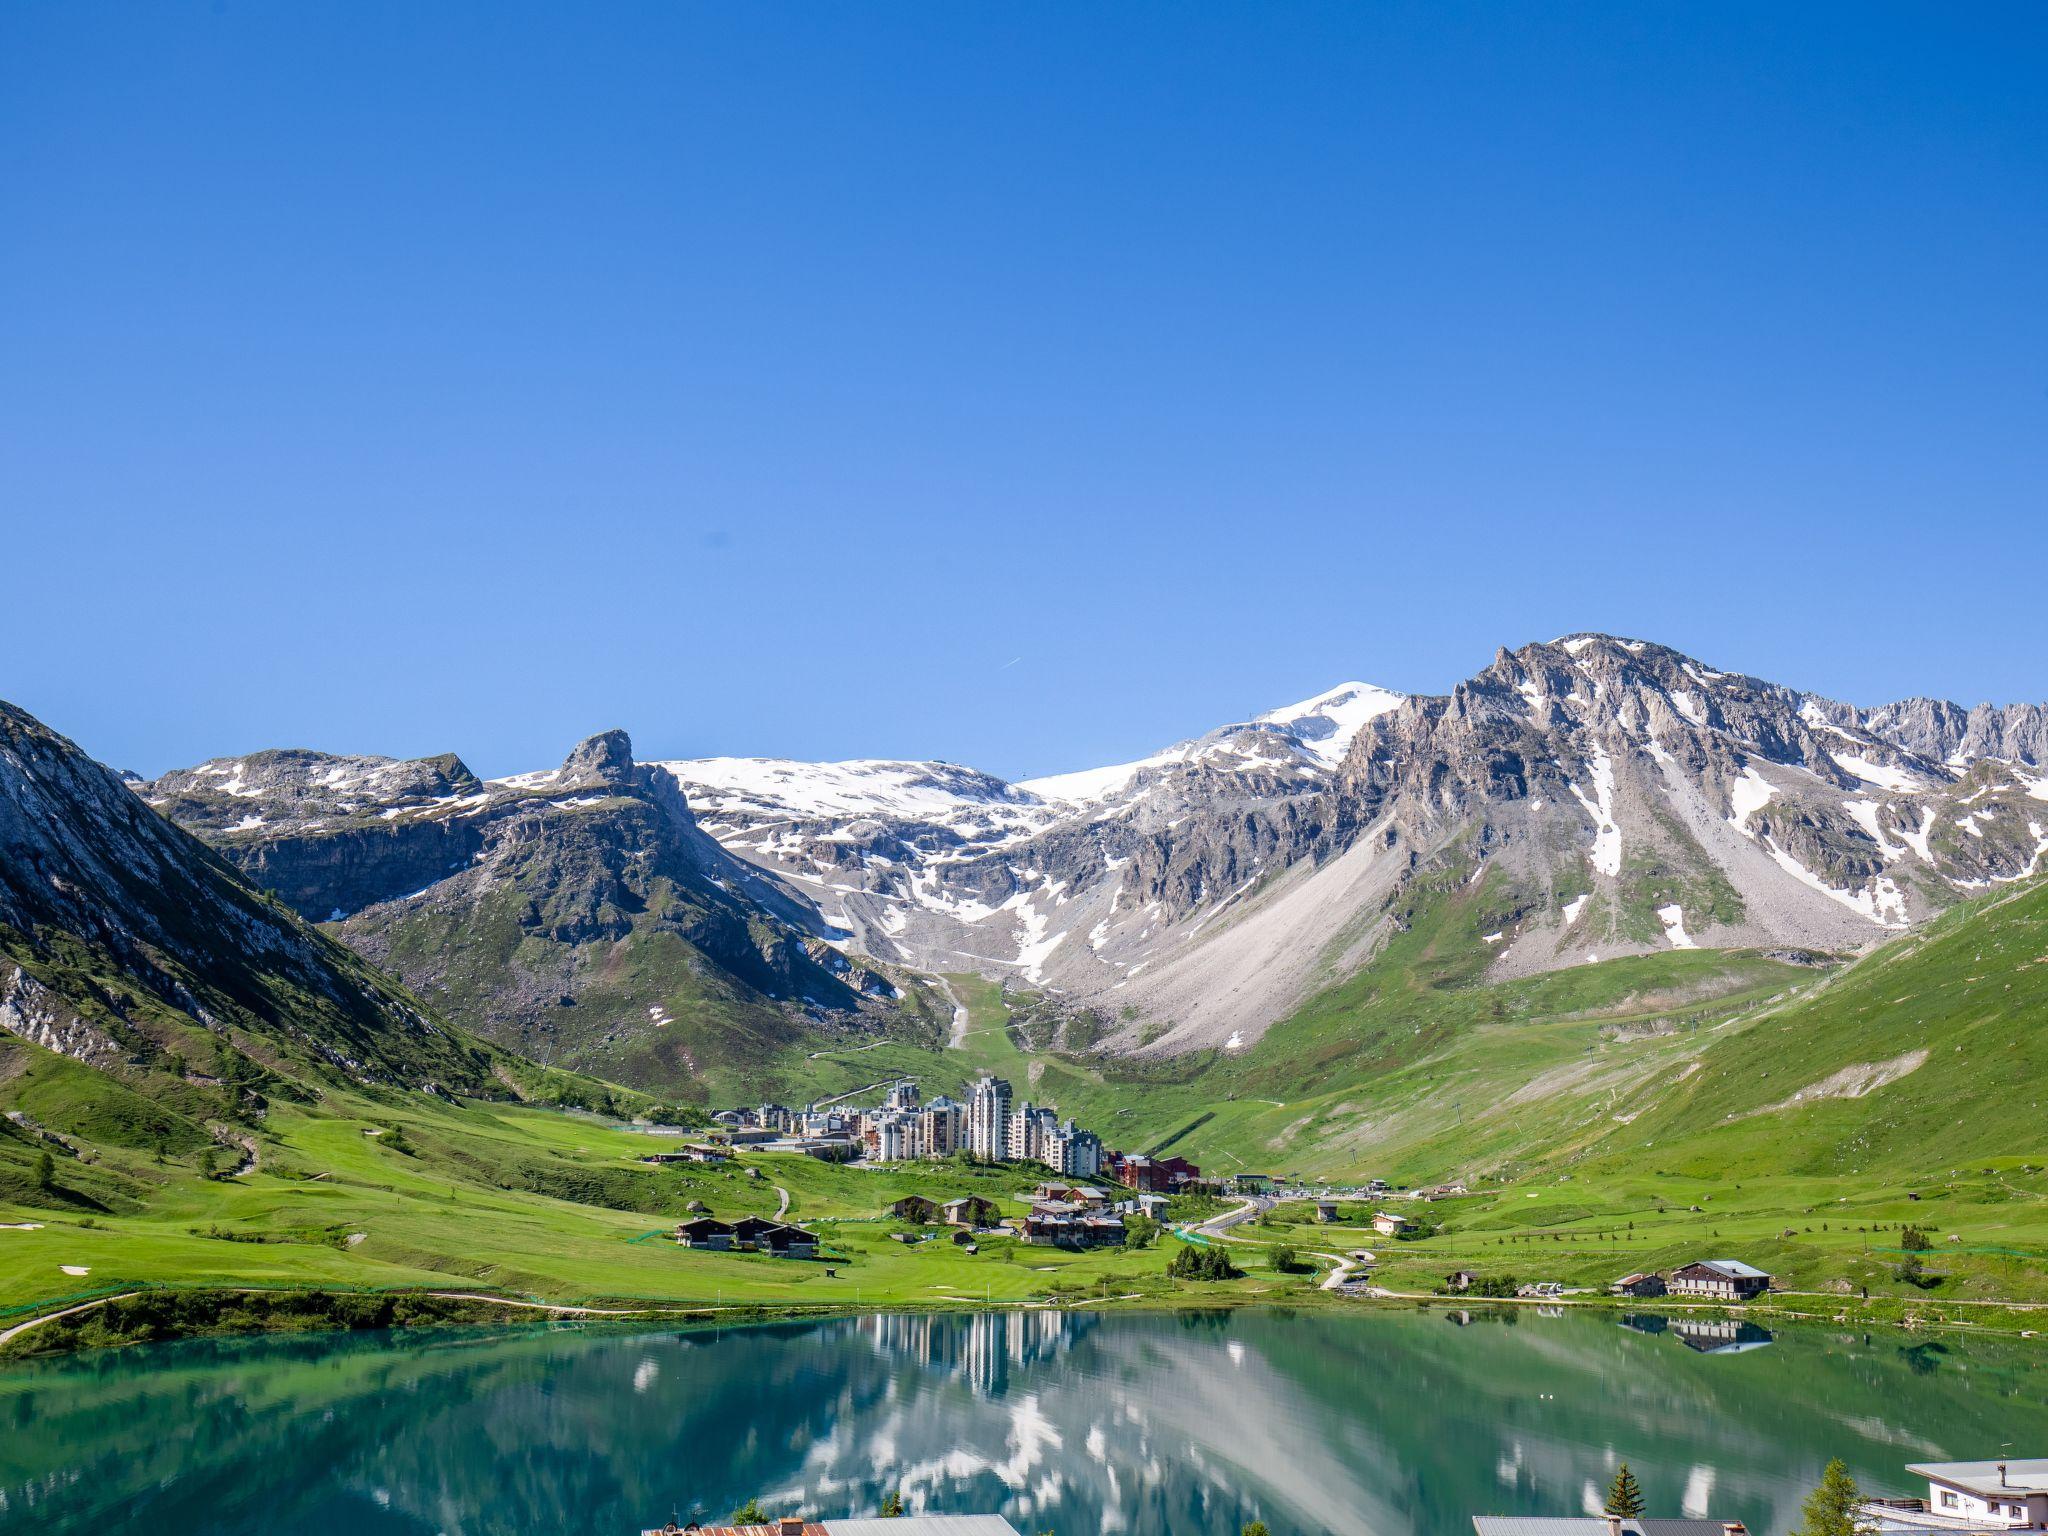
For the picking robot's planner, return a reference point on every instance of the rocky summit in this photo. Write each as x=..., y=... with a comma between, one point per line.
x=577, y=914
x=1607, y=796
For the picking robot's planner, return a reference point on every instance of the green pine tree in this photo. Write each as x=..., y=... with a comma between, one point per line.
x=1256, y=1528
x=1830, y=1510
x=750, y=1513
x=46, y=1172
x=892, y=1504
x=1625, y=1495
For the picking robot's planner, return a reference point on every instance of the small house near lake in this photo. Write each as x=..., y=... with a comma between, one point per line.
x=2010, y=1495
x=1063, y=1225
x=1638, y=1285
x=1719, y=1280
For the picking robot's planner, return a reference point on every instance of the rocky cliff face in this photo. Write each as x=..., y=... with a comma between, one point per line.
x=1610, y=797
x=579, y=914
x=127, y=944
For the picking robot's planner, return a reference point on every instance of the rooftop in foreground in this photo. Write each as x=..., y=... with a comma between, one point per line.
x=902, y=1525
x=1599, y=1525
x=1992, y=1479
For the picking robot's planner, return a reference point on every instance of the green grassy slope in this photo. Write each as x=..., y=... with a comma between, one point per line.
x=513, y=1200
x=1949, y=1027
x=1409, y=1069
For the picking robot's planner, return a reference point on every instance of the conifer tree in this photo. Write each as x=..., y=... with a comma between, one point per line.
x=1625, y=1495
x=1830, y=1510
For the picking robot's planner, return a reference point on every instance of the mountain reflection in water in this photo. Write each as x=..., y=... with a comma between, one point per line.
x=1074, y=1422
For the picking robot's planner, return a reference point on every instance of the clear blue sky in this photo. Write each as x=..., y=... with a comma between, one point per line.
x=1027, y=385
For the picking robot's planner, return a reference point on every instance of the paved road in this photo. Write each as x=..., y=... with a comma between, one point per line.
x=1217, y=1228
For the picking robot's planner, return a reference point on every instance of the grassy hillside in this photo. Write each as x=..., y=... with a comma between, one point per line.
x=1929, y=1053
x=1631, y=1114
x=512, y=1200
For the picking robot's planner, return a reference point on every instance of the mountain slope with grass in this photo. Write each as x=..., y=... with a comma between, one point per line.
x=131, y=947
x=578, y=915
x=152, y=1000
x=1929, y=1054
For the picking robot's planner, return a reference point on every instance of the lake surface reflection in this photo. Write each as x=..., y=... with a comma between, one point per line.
x=1396, y=1423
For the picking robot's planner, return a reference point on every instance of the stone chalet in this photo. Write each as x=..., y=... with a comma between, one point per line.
x=1638, y=1285
x=1062, y=1224
x=750, y=1234
x=1718, y=1279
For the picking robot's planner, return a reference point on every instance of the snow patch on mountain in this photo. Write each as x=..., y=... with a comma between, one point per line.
x=1673, y=919
x=1606, y=851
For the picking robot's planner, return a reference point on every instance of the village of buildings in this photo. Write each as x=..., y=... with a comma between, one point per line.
x=992, y=1126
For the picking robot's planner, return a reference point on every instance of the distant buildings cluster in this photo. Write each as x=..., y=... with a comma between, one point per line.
x=993, y=1124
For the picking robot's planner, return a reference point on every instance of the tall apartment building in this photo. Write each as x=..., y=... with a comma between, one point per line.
x=988, y=1118
x=1075, y=1152
x=943, y=1122
x=892, y=1137
x=1031, y=1132
x=902, y=1095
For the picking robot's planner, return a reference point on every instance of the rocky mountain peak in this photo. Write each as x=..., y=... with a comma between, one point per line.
x=606, y=758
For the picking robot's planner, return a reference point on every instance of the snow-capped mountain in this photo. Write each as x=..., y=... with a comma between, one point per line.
x=945, y=868
x=1584, y=798
x=1609, y=797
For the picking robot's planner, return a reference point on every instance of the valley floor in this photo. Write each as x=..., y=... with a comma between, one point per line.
x=332, y=1208
x=1629, y=1116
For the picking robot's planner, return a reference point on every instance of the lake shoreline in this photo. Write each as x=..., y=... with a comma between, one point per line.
x=150, y=1313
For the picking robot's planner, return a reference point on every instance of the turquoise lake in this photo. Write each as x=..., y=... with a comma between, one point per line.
x=1396, y=1423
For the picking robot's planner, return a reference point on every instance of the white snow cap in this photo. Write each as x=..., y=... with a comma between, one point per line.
x=1326, y=724
x=1322, y=727
x=870, y=787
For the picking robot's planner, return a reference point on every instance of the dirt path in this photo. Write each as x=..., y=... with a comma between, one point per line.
x=37, y=1322
x=782, y=1206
